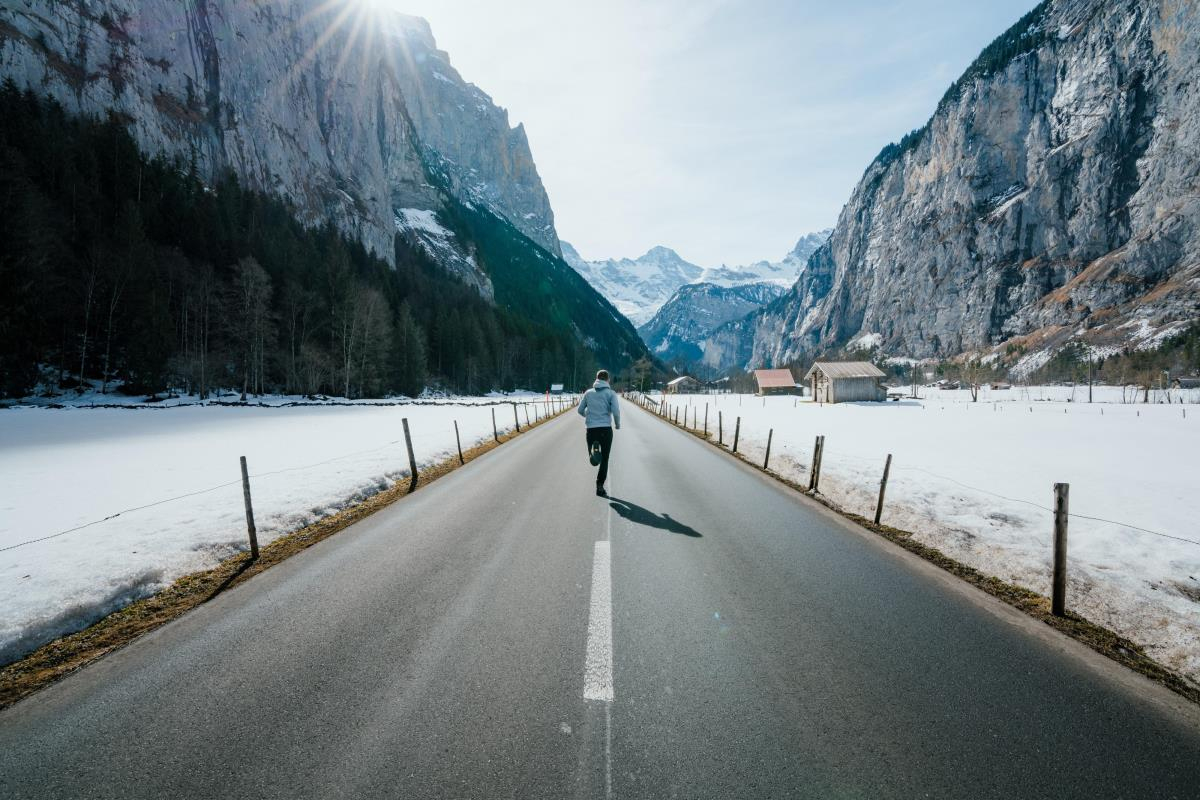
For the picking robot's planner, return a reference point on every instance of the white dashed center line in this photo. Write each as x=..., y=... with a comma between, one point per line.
x=598, y=668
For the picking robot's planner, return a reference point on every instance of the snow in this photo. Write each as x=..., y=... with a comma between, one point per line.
x=868, y=341
x=1148, y=337
x=67, y=467
x=423, y=228
x=1032, y=362
x=1007, y=201
x=975, y=480
x=419, y=219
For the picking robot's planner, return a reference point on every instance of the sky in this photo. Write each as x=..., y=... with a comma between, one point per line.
x=723, y=129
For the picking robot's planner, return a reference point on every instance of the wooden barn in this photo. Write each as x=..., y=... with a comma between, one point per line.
x=684, y=384
x=775, y=381
x=846, y=382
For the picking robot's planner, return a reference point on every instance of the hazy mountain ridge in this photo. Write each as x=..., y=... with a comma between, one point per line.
x=783, y=273
x=678, y=330
x=636, y=286
x=641, y=287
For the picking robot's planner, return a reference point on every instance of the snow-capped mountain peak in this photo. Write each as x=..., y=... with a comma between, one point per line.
x=639, y=286
x=781, y=273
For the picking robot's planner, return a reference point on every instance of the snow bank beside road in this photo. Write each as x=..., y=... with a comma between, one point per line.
x=63, y=468
x=975, y=480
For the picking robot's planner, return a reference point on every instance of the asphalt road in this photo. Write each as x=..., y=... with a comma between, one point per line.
x=465, y=642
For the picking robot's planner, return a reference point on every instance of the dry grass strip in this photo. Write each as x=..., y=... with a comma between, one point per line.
x=1097, y=637
x=56, y=660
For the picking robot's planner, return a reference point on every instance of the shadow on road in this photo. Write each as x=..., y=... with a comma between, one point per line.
x=245, y=565
x=643, y=516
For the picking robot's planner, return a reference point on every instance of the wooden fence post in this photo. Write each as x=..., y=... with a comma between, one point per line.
x=887, y=467
x=815, y=469
x=720, y=428
x=412, y=459
x=737, y=429
x=1058, y=601
x=250, y=529
x=458, y=442
x=706, y=420
x=516, y=419
x=820, y=463
x=495, y=433
x=767, y=457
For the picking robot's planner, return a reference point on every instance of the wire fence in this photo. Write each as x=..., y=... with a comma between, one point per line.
x=545, y=408
x=669, y=411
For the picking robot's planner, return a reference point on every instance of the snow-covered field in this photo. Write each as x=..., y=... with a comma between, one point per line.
x=976, y=481
x=174, y=475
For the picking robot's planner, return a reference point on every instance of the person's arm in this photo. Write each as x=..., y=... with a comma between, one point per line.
x=616, y=412
x=582, y=407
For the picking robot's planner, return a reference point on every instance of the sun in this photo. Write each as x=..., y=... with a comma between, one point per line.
x=348, y=29
x=377, y=8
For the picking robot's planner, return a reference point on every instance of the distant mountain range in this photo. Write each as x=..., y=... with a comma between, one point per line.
x=636, y=286
x=781, y=273
x=676, y=304
x=677, y=332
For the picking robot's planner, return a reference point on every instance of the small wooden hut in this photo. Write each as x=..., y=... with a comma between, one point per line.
x=775, y=381
x=846, y=382
x=684, y=384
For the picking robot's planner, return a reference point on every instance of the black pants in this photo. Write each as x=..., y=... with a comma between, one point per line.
x=604, y=437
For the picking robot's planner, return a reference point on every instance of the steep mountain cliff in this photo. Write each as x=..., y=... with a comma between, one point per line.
x=324, y=161
x=1052, y=195
x=677, y=331
x=332, y=106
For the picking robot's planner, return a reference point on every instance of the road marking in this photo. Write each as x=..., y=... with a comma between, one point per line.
x=598, y=667
x=608, y=749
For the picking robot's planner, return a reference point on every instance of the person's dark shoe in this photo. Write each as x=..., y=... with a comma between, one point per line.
x=597, y=453
x=600, y=492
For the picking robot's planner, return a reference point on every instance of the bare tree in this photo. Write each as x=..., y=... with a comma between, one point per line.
x=95, y=259
x=973, y=373
x=297, y=314
x=116, y=287
x=374, y=319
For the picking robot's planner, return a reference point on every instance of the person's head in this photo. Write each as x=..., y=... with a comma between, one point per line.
x=602, y=375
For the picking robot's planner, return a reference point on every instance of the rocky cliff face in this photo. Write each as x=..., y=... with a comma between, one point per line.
x=339, y=111
x=1052, y=195
x=678, y=330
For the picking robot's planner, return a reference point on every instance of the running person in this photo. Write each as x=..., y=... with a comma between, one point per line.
x=601, y=414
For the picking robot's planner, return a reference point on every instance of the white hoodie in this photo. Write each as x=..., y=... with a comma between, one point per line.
x=599, y=407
